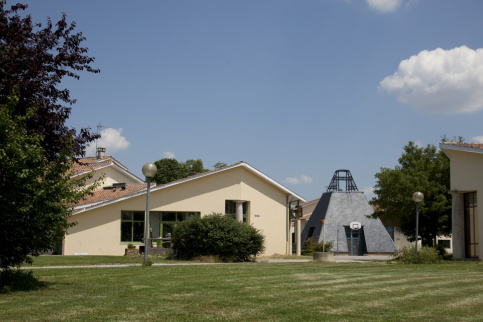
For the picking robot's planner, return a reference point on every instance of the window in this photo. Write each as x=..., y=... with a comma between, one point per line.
x=230, y=209
x=162, y=223
x=446, y=243
x=390, y=231
x=471, y=225
x=132, y=226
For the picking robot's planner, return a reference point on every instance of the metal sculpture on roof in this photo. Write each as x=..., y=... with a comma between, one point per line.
x=339, y=177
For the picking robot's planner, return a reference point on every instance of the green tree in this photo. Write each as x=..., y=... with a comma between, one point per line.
x=171, y=170
x=195, y=166
x=36, y=196
x=219, y=164
x=37, y=149
x=420, y=169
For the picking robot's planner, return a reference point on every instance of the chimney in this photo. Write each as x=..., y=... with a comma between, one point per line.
x=101, y=152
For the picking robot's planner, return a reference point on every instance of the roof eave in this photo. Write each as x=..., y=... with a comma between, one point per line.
x=453, y=147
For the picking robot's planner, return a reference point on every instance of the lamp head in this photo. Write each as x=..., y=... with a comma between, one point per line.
x=149, y=170
x=418, y=196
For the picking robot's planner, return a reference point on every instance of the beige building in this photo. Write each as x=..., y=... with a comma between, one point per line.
x=466, y=161
x=114, y=216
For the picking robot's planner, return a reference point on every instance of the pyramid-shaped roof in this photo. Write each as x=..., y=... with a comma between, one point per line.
x=337, y=210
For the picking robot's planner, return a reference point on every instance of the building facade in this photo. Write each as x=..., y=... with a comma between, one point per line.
x=466, y=175
x=113, y=216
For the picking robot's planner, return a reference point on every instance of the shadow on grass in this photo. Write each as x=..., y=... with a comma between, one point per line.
x=14, y=280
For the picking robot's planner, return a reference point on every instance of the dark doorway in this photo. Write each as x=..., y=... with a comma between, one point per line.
x=355, y=241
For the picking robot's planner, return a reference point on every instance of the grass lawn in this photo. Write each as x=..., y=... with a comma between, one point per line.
x=43, y=261
x=310, y=291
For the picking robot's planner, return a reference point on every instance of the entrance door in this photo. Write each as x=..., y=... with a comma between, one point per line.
x=353, y=241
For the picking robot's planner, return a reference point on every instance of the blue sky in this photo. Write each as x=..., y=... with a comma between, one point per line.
x=296, y=88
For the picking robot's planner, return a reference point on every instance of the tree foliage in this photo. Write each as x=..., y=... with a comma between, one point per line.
x=37, y=149
x=170, y=169
x=219, y=165
x=217, y=235
x=33, y=62
x=420, y=169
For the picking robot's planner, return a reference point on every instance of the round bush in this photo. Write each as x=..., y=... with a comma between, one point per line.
x=426, y=255
x=216, y=235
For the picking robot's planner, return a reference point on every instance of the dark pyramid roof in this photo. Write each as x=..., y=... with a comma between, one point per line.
x=342, y=208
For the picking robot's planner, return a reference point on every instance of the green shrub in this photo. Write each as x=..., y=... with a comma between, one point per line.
x=425, y=255
x=216, y=235
x=18, y=280
x=312, y=246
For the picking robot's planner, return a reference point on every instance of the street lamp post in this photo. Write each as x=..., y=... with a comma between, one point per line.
x=417, y=197
x=149, y=171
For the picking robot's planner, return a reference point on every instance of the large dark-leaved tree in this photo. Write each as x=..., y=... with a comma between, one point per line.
x=422, y=169
x=37, y=149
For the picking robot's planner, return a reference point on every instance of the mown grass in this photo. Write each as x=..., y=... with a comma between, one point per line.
x=43, y=261
x=312, y=291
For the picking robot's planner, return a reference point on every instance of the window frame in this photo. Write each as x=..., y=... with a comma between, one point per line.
x=132, y=221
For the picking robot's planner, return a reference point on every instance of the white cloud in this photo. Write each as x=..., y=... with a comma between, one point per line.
x=111, y=139
x=369, y=192
x=384, y=5
x=298, y=180
x=168, y=155
x=440, y=81
x=419, y=144
x=478, y=139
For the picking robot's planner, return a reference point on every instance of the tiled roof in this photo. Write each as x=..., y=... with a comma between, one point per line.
x=106, y=194
x=466, y=145
x=91, y=163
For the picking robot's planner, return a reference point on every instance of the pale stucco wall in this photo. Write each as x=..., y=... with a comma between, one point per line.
x=98, y=230
x=466, y=175
x=111, y=175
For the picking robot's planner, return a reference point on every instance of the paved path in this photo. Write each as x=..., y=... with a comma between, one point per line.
x=337, y=259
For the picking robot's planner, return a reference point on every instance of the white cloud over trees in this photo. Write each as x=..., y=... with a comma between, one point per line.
x=384, y=5
x=478, y=139
x=168, y=155
x=439, y=81
x=111, y=139
x=298, y=180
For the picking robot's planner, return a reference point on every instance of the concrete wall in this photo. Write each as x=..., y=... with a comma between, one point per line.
x=98, y=230
x=466, y=176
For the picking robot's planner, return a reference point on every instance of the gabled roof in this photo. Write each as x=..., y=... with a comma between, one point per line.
x=86, y=165
x=311, y=202
x=101, y=197
x=465, y=147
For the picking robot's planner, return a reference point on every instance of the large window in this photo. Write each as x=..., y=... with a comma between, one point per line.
x=162, y=223
x=132, y=226
x=471, y=225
